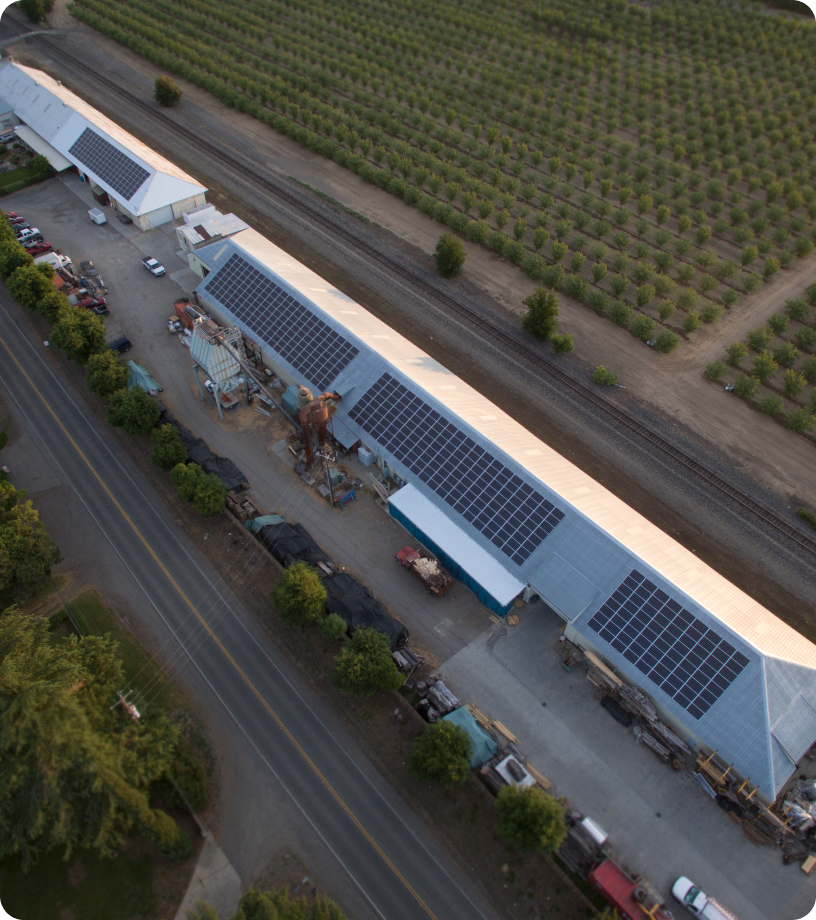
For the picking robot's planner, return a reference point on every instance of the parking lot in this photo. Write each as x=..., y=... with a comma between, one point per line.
x=659, y=822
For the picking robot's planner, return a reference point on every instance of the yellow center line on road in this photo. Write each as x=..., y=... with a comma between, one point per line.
x=220, y=645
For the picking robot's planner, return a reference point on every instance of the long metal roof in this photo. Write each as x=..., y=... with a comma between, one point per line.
x=61, y=118
x=589, y=552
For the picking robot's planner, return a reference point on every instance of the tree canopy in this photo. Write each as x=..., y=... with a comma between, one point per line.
x=299, y=597
x=204, y=490
x=105, y=374
x=168, y=450
x=529, y=819
x=52, y=304
x=79, y=333
x=274, y=905
x=73, y=772
x=27, y=552
x=541, y=318
x=29, y=283
x=166, y=92
x=441, y=754
x=133, y=410
x=36, y=10
x=365, y=665
x=449, y=255
x=13, y=256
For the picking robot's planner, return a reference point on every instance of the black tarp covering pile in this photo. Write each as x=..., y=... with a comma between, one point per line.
x=231, y=477
x=352, y=601
x=290, y=543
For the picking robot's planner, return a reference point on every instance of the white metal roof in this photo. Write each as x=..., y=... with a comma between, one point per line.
x=639, y=536
x=59, y=117
x=36, y=143
x=433, y=522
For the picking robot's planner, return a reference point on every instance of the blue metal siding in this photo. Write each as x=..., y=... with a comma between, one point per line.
x=454, y=568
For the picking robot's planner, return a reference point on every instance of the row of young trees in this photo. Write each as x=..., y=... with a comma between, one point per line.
x=532, y=100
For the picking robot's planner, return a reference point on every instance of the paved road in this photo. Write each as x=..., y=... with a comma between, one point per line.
x=371, y=834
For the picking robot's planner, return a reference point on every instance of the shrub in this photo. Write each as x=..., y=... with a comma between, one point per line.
x=691, y=321
x=552, y=276
x=105, y=374
x=800, y=421
x=541, y=317
x=332, y=627
x=808, y=368
x=797, y=309
x=576, y=287
x=477, y=231
x=715, y=371
x=52, y=304
x=778, y=323
x=793, y=383
x=745, y=386
x=513, y=251
x=786, y=354
x=604, y=377
x=711, y=312
x=530, y=820
x=134, y=411
x=562, y=343
x=770, y=405
x=166, y=92
x=299, y=597
x=365, y=665
x=736, y=351
x=764, y=366
x=619, y=312
x=645, y=295
x=441, y=754
x=666, y=341
x=758, y=339
x=168, y=449
x=188, y=774
x=449, y=255
x=29, y=283
x=641, y=326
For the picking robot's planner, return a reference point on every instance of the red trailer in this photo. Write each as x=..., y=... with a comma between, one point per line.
x=436, y=580
x=633, y=898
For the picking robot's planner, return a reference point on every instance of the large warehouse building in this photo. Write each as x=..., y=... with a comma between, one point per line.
x=121, y=170
x=510, y=516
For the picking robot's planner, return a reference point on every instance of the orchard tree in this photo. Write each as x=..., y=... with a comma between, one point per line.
x=133, y=410
x=365, y=665
x=449, y=255
x=541, y=318
x=79, y=333
x=441, y=754
x=299, y=597
x=105, y=374
x=168, y=449
x=27, y=552
x=166, y=92
x=530, y=820
x=764, y=366
x=77, y=770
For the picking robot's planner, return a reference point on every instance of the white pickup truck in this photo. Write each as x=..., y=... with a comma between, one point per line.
x=699, y=903
x=52, y=258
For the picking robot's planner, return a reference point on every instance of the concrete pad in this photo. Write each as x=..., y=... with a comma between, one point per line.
x=214, y=881
x=660, y=822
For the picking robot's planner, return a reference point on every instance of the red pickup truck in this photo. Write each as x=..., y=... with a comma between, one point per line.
x=633, y=898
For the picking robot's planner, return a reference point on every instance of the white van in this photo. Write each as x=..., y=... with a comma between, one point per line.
x=52, y=258
x=97, y=216
x=698, y=902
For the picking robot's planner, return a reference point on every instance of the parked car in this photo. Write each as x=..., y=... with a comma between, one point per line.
x=16, y=221
x=38, y=247
x=11, y=214
x=125, y=218
x=699, y=903
x=120, y=345
x=28, y=234
x=8, y=137
x=52, y=258
x=153, y=266
x=20, y=226
x=90, y=302
x=100, y=310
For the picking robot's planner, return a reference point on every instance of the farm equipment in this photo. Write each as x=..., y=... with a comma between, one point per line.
x=428, y=570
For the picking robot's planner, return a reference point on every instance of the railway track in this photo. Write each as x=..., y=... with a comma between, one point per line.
x=471, y=318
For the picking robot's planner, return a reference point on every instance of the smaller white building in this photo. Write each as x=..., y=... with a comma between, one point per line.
x=203, y=226
x=122, y=172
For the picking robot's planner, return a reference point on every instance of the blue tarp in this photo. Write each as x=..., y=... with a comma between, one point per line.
x=257, y=523
x=482, y=746
x=140, y=377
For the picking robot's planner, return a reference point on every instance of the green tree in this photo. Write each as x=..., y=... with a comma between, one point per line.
x=541, y=318
x=604, y=377
x=168, y=449
x=12, y=257
x=54, y=303
x=736, y=351
x=79, y=333
x=365, y=665
x=91, y=766
x=559, y=250
x=530, y=820
x=40, y=164
x=801, y=420
x=133, y=410
x=185, y=477
x=332, y=627
x=745, y=386
x=715, y=370
x=764, y=366
x=449, y=255
x=793, y=383
x=28, y=284
x=299, y=597
x=166, y=92
x=562, y=343
x=36, y=10
x=786, y=354
x=770, y=405
x=645, y=295
x=441, y=754
x=666, y=341
x=27, y=552
x=105, y=374
x=210, y=495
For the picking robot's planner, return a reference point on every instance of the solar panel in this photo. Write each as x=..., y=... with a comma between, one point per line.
x=674, y=649
x=510, y=513
x=286, y=325
x=113, y=167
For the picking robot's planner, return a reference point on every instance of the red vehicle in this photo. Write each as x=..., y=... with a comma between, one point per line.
x=39, y=249
x=428, y=570
x=633, y=898
x=91, y=302
x=11, y=214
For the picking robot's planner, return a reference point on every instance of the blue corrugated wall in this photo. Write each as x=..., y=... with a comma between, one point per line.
x=454, y=568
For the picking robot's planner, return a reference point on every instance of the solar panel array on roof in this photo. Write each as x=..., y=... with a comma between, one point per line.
x=511, y=514
x=112, y=166
x=286, y=325
x=674, y=649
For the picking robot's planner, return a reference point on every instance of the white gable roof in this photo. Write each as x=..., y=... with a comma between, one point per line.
x=60, y=117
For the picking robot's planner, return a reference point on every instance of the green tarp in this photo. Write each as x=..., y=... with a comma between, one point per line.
x=140, y=377
x=482, y=746
x=257, y=523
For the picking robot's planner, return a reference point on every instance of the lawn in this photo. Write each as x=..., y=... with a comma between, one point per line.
x=83, y=888
x=15, y=179
x=654, y=163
